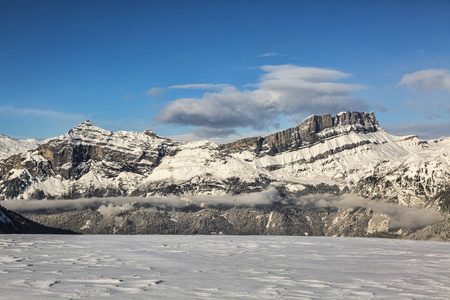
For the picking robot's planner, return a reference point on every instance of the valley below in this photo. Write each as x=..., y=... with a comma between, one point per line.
x=308, y=218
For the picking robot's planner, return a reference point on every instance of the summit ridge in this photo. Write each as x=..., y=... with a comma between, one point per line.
x=348, y=153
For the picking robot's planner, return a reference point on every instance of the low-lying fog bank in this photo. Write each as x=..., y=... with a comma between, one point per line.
x=266, y=212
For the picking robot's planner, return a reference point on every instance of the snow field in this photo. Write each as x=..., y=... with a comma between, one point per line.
x=221, y=267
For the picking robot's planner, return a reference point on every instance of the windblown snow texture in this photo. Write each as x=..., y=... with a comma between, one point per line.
x=221, y=267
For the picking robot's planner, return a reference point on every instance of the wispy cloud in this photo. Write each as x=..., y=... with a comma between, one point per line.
x=423, y=130
x=430, y=110
x=269, y=54
x=206, y=132
x=120, y=205
x=218, y=138
x=380, y=107
x=282, y=89
x=40, y=113
x=200, y=86
x=421, y=52
x=409, y=104
x=442, y=105
x=155, y=92
x=427, y=80
x=399, y=216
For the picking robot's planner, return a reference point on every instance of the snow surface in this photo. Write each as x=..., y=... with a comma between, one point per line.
x=10, y=146
x=221, y=267
x=344, y=156
x=5, y=219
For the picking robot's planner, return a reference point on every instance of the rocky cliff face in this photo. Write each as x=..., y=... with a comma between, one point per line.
x=311, y=131
x=337, y=153
x=325, y=154
x=84, y=151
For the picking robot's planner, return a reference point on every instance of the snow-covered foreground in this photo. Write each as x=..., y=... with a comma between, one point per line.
x=218, y=267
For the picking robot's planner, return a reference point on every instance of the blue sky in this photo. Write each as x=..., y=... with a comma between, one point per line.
x=222, y=69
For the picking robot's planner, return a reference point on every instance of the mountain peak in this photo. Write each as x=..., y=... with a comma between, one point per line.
x=318, y=123
x=86, y=131
x=311, y=130
x=86, y=123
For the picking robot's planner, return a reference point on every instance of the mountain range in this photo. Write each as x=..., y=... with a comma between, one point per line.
x=10, y=146
x=326, y=161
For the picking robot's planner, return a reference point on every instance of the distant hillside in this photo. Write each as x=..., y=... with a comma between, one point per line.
x=11, y=222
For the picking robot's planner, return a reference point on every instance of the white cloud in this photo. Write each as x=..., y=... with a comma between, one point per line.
x=206, y=132
x=219, y=139
x=421, y=52
x=399, y=216
x=283, y=89
x=200, y=86
x=430, y=110
x=427, y=80
x=380, y=107
x=409, y=104
x=154, y=92
x=114, y=206
x=442, y=106
x=115, y=210
x=41, y=113
x=269, y=54
x=422, y=130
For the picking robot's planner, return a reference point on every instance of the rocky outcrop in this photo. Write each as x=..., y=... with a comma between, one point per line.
x=312, y=130
x=11, y=222
x=325, y=155
x=82, y=150
x=338, y=154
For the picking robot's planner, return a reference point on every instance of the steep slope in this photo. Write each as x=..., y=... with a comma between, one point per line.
x=6, y=225
x=10, y=146
x=11, y=222
x=309, y=170
x=269, y=219
x=86, y=161
x=412, y=180
x=323, y=154
x=311, y=131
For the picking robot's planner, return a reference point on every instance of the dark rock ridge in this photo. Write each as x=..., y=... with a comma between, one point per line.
x=92, y=162
x=325, y=154
x=11, y=222
x=310, y=131
x=82, y=149
x=87, y=148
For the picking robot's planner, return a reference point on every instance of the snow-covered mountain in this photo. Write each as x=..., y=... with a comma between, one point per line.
x=328, y=155
x=10, y=146
x=347, y=152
